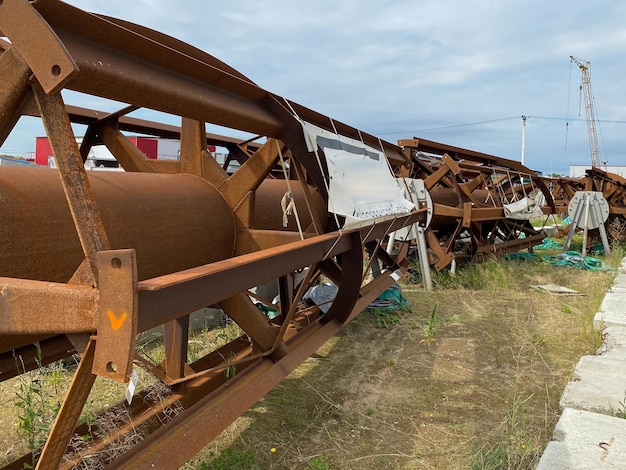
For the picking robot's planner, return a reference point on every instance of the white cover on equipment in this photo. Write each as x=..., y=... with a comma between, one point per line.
x=361, y=187
x=524, y=209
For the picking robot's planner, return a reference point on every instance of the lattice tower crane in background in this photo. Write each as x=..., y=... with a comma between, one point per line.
x=591, y=120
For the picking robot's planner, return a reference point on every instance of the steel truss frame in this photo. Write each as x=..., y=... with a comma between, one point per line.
x=468, y=190
x=99, y=307
x=613, y=189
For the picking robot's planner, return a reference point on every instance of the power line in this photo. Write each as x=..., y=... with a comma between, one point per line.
x=578, y=119
x=450, y=126
x=489, y=121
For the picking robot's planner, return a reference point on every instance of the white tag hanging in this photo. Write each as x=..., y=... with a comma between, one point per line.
x=130, y=390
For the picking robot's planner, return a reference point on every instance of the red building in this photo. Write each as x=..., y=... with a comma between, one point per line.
x=148, y=145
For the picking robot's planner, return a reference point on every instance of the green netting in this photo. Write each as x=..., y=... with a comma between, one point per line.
x=569, y=258
x=597, y=250
x=269, y=312
x=576, y=260
x=390, y=299
x=548, y=244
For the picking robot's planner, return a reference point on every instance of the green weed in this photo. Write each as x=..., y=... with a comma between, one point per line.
x=319, y=463
x=429, y=330
x=384, y=318
x=38, y=401
x=229, y=459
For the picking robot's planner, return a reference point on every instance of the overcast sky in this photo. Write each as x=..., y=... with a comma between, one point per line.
x=454, y=71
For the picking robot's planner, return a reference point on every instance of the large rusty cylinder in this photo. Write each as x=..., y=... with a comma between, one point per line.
x=174, y=222
x=449, y=196
x=269, y=202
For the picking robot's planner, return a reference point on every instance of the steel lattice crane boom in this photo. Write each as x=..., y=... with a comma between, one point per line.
x=591, y=120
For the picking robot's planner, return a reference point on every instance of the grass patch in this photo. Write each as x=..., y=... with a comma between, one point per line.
x=38, y=400
x=229, y=459
x=384, y=318
x=484, y=395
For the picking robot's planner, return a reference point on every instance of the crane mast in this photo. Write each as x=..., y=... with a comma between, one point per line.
x=591, y=120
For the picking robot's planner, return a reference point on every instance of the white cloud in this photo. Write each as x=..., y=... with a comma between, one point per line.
x=395, y=65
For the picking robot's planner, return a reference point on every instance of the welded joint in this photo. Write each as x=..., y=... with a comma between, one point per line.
x=118, y=312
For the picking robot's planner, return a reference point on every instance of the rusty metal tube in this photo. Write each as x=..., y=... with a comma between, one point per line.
x=174, y=222
x=268, y=214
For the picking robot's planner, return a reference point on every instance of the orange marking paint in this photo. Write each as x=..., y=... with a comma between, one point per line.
x=116, y=323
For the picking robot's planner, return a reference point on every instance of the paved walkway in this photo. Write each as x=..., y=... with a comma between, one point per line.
x=588, y=435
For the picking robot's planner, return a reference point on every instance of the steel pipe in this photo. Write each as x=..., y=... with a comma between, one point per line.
x=174, y=222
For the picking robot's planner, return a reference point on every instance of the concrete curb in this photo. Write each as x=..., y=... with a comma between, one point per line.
x=588, y=435
x=585, y=440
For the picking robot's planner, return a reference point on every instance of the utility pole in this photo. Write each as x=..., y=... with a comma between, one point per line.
x=523, y=137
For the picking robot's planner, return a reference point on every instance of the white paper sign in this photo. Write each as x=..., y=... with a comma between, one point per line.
x=361, y=186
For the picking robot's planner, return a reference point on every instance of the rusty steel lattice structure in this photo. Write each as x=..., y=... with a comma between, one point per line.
x=613, y=190
x=469, y=191
x=91, y=261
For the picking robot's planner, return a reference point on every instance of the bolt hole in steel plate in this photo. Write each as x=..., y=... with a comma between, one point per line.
x=111, y=367
x=116, y=263
x=56, y=69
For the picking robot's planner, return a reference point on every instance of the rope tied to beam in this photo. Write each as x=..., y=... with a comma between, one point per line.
x=288, y=207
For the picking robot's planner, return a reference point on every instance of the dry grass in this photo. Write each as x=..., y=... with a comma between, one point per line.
x=483, y=395
x=480, y=391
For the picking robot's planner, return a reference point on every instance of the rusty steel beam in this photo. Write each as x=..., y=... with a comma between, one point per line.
x=76, y=186
x=437, y=148
x=52, y=64
x=68, y=415
x=70, y=309
x=88, y=117
x=189, y=290
x=210, y=414
x=613, y=189
x=38, y=351
x=14, y=88
x=120, y=253
x=112, y=57
x=469, y=190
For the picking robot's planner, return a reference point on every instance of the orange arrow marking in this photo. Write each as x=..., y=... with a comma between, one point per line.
x=116, y=323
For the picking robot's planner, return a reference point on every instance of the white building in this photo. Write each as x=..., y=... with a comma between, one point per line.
x=577, y=171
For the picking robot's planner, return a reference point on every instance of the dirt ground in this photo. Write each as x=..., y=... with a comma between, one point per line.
x=476, y=385
x=482, y=393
